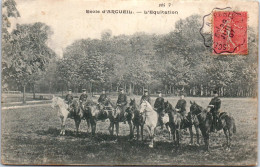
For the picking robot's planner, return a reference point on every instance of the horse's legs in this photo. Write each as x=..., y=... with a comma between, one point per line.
x=197, y=134
x=191, y=135
x=131, y=129
x=61, y=126
x=137, y=131
x=177, y=131
x=152, y=132
x=169, y=130
x=227, y=137
x=93, y=127
x=111, y=128
x=230, y=136
x=142, y=132
x=89, y=125
x=117, y=128
x=205, y=135
x=173, y=133
x=77, y=123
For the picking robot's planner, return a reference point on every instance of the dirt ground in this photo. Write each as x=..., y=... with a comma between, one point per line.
x=31, y=136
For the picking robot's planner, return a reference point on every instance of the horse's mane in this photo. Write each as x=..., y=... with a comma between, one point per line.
x=148, y=105
x=91, y=103
x=200, y=108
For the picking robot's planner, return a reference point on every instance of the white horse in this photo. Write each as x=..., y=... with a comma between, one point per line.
x=61, y=108
x=151, y=119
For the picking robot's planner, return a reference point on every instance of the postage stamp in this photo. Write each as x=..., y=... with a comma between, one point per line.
x=229, y=33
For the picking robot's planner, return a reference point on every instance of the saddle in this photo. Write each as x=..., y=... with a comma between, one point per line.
x=222, y=115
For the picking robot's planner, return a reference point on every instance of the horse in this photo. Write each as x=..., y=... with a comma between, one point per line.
x=96, y=112
x=177, y=122
x=226, y=122
x=137, y=117
x=116, y=116
x=75, y=112
x=150, y=117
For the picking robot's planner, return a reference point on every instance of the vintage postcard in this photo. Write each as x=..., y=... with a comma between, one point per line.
x=161, y=82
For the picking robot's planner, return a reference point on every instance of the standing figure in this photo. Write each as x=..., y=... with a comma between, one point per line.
x=159, y=107
x=214, y=107
x=145, y=97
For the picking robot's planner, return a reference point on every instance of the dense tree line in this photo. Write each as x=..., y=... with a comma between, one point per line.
x=171, y=62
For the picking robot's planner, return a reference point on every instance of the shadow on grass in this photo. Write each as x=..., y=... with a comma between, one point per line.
x=124, y=141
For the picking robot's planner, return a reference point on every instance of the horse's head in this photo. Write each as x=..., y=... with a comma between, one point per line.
x=168, y=107
x=132, y=103
x=54, y=101
x=145, y=106
x=195, y=109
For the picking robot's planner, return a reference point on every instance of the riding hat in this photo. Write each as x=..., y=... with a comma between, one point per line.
x=181, y=93
x=145, y=90
x=159, y=91
x=83, y=90
x=215, y=91
x=121, y=89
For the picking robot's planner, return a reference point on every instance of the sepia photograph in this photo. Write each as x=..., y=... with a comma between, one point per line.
x=95, y=82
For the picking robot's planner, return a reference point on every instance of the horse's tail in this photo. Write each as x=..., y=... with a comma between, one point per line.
x=234, y=126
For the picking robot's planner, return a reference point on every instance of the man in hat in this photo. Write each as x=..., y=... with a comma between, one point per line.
x=83, y=99
x=181, y=105
x=214, y=107
x=159, y=107
x=102, y=98
x=145, y=97
x=69, y=99
x=122, y=101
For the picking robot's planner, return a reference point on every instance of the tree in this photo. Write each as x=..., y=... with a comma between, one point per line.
x=28, y=53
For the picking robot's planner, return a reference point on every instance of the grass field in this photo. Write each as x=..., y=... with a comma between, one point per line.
x=31, y=136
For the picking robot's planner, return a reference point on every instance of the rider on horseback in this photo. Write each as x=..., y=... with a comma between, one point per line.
x=145, y=97
x=69, y=99
x=102, y=98
x=181, y=106
x=102, y=102
x=122, y=101
x=83, y=99
x=214, y=107
x=159, y=107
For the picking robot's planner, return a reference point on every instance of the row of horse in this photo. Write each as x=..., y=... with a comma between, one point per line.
x=144, y=115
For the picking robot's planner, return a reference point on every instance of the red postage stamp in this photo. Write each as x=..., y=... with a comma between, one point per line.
x=229, y=33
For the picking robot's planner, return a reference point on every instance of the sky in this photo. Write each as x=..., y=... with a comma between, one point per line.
x=69, y=21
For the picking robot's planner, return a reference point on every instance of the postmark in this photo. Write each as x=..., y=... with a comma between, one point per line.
x=229, y=33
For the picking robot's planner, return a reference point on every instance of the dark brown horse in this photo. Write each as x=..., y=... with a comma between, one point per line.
x=178, y=122
x=136, y=116
x=204, y=118
x=94, y=112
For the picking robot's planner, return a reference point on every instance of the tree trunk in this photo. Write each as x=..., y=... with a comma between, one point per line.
x=33, y=91
x=90, y=89
x=130, y=88
x=24, y=100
